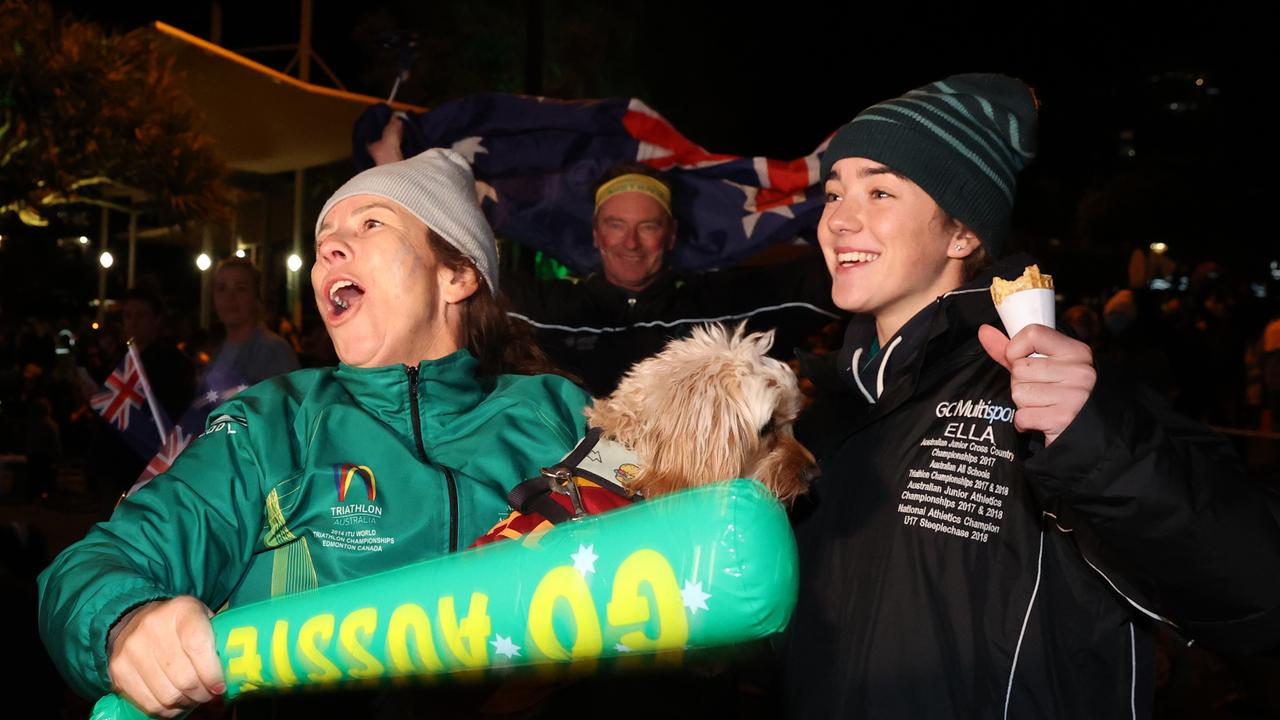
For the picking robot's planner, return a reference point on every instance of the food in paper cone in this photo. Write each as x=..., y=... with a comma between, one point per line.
x=1024, y=300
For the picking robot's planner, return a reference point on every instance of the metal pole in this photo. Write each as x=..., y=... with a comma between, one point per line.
x=215, y=23
x=293, y=279
x=102, y=272
x=259, y=249
x=206, y=278
x=133, y=246
x=533, y=47
x=304, y=43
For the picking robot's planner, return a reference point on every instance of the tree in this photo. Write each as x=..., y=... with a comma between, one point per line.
x=84, y=112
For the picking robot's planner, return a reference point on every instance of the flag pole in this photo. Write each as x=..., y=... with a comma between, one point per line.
x=146, y=389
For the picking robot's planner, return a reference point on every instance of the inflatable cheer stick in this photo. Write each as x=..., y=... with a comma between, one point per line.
x=710, y=566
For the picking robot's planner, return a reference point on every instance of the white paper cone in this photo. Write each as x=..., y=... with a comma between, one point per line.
x=1026, y=307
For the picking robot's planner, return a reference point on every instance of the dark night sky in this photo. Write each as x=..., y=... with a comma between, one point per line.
x=776, y=83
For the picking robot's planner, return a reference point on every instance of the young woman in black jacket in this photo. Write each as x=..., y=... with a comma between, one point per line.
x=995, y=529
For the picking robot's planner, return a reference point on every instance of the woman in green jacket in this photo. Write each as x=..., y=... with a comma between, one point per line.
x=403, y=452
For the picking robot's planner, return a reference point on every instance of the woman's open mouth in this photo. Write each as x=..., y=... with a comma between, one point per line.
x=343, y=295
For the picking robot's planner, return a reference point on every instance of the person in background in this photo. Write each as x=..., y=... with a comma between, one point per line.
x=1084, y=323
x=599, y=326
x=250, y=350
x=112, y=466
x=1270, y=347
x=43, y=448
x=169, y=372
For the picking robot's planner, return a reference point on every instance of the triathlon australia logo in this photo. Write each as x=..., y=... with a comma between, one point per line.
x=343, y=475
x=352, y=508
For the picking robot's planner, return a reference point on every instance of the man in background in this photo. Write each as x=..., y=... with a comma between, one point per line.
x=597, y=327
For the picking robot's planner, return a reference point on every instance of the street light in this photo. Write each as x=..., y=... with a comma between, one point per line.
x=294, y=263
x=105, y=259
x=203, y=262
x=83, y=240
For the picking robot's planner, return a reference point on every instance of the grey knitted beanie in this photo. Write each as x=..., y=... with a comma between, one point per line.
x=437, y=187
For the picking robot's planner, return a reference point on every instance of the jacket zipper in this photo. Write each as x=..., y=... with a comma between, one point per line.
x=452, y=484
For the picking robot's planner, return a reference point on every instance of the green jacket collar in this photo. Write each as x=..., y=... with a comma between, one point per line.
x=447, y=387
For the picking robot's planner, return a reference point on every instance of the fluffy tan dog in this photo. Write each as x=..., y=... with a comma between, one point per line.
x=709, y=407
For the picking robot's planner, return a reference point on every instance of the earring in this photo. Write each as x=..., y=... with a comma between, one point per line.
x=959, y=246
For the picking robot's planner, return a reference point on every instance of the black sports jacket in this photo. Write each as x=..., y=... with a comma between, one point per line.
x=952, y=569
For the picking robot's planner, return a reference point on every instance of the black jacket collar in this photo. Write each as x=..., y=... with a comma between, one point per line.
x=664, y=283
x=946, y=331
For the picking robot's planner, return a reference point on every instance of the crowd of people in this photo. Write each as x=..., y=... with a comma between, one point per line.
x=1102, y=513
x=53, y=366
x=1204, y=347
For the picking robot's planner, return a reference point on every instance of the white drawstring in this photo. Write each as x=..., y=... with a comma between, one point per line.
x=884, y=363
x=853, y=365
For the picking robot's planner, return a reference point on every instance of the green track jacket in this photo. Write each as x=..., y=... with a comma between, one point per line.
x=306, y=480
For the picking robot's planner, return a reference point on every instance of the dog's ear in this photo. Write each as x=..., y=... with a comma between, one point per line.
x=617, y=415
x=763, y=341
x=757, y=342
x=623, y=415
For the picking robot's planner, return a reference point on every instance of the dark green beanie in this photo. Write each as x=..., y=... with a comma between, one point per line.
x=963, y=140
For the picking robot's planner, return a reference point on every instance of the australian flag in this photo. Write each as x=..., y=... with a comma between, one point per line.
x=219, y=385
x=125, y=403
x=537, y=159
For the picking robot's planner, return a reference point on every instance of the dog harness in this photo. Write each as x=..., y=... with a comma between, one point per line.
x=590, y=480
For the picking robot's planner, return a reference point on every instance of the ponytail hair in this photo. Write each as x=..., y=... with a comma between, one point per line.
x=503, y=346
